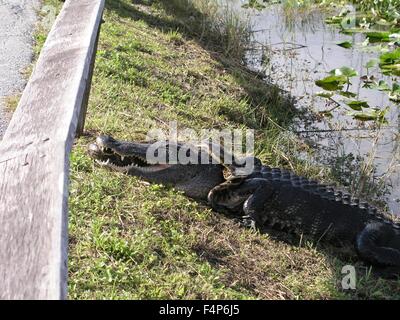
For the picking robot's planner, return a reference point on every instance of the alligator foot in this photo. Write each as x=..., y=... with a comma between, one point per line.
x=255, y=204
x=248, y=222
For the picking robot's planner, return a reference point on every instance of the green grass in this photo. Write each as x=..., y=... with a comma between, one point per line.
x=11, y=102
x=132, y=240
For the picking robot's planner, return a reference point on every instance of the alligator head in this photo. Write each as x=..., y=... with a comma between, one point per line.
x=132, y=158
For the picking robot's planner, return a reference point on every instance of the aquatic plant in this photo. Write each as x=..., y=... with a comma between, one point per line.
x=381, y=10
x=254, y=4
x=215, y=22
x=390, y=62
x=361, y=110
x=378, y=21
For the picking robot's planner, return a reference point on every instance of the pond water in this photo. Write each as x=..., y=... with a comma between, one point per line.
x=294, y=51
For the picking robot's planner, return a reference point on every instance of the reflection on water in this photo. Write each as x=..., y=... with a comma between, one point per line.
x=295, y=51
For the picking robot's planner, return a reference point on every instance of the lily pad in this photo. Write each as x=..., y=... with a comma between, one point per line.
x=370, y=115
x=324, y=94
x=332, y=82
x=371, y=63
x=345, y=44
x=345, y=71
x=381, y=86
x=391, y=69
x=390, y=57
x=378, y=36
x=348, y=22
x=357, y=105
x=334, y=20
x=390, y=62
x=363, y=116
x=350, y=31
x=347, y=94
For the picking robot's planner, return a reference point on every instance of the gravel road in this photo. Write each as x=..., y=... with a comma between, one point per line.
x=17, y=22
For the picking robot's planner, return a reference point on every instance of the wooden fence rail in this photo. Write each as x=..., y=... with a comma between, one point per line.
x=34, y=157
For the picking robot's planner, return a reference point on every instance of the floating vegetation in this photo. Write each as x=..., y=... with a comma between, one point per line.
x=254, y=4
x=357, y=104
x=378, y=36
x=390, y=62
x=345, y=44
x=361, y=110
x=383, y=12
x=332, y=82
x=379, y=27
x=379, y=23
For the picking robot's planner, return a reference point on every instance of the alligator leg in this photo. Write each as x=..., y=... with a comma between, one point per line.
x=379, y=244
x=229, y=197
x=254, y=206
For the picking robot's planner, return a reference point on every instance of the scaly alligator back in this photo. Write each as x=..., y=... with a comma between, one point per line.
x=304, y=206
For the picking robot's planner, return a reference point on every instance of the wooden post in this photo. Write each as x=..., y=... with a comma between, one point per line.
x=34, y=158
x=82, y=115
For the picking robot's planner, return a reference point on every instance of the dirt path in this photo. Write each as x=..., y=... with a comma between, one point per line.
x=16, y=27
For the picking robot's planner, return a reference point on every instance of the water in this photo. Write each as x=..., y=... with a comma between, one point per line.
x=295, y=51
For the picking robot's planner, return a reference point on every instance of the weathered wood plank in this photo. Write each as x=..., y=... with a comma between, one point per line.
x=34, y=158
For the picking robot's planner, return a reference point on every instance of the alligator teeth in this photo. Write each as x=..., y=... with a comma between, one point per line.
x=121, y=168
x=103, y=163
x=122, y=158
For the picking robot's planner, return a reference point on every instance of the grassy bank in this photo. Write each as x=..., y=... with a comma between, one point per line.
x=131, y=240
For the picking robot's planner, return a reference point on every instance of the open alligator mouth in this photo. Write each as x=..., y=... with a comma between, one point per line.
x=119, y=159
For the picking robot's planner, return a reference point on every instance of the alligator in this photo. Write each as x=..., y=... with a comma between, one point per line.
x=267, y=197
x=131, y=158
